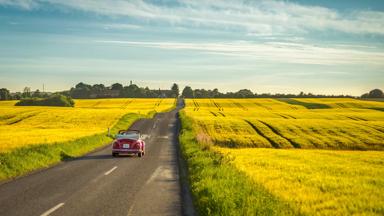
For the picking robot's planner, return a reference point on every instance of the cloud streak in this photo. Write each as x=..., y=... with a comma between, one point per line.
x=254, y=17
x=271, y=51
x=23, y=4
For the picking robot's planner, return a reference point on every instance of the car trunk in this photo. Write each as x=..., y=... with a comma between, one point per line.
x=127, y=144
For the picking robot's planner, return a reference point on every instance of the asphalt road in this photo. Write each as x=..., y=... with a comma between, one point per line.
x=99, y=184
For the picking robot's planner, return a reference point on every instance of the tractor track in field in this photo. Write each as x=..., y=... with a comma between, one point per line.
x=271, y=141
x=260, y=133
x=17, y=119
x=294, y=144
x=126, y=104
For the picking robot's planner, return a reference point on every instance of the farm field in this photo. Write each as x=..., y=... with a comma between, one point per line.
x=340, y=103
x=273, y=123
x=317, y=182
x=24, y=126
x=317, y=156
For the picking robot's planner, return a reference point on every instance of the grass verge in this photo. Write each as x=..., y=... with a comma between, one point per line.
x=218, y=188
x=26, y=159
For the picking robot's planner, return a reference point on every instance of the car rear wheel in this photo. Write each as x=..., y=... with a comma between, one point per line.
x=115, y=154
x=140, y=154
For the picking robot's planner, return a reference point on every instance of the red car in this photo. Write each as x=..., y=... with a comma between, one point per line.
x=128, y=142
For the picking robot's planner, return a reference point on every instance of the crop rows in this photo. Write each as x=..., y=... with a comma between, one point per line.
x=280, y=124
x=317, y=182
x=277, y=157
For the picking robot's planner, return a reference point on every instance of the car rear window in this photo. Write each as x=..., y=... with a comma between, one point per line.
x=135, y=136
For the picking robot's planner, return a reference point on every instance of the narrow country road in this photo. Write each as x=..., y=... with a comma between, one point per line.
x=99, y=184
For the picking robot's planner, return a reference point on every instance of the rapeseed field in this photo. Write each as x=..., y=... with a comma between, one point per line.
x=24, y=126
x=299, y=156
x=317, y=182
x=276, y=124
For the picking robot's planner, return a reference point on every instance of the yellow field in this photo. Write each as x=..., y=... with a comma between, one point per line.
x=304, y=171
x=21, y=126
x=344, y=102
x=317, y=182
x=273, y=123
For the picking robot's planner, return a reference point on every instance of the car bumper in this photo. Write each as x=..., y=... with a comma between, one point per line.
x=126, y=151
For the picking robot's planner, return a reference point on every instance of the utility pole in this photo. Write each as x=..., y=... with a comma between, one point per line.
x=43, y=88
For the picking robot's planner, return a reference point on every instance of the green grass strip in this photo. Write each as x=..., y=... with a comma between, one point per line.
x=26, y=159
x=218, y=188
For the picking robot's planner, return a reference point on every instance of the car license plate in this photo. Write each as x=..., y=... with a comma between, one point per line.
x=125, y=145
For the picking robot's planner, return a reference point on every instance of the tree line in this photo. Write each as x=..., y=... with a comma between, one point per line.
x=188, y=92
x=117, y=90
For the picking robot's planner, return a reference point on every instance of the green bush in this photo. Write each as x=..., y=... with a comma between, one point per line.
x=54, y=100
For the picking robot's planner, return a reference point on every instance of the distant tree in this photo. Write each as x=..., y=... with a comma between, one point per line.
x=175, y=90
x=244, y=93
x=117, y=87
x=82, y=85
x=376, y=93
x=98, y=90
x=26, y=92
x=366, y=95
x=131, y=91
x=81, y=90
x=187, y=92
x=215, y=93
x=4, y=94
x=36, y=93
x=17, y=96
x=147, y=92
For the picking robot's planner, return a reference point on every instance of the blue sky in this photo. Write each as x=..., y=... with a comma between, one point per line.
x=327, y=47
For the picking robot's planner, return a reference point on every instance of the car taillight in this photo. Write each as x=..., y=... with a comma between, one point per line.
x=115, y=144
x=137, y=144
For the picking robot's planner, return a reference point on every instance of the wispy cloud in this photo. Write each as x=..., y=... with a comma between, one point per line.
x=121, y=26
x=23, y=4
x=272, y=51
x=254, y=17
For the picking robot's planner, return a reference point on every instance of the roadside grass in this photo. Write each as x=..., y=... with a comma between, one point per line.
x=308, y=105
x=25, y=159
x=218, y=188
